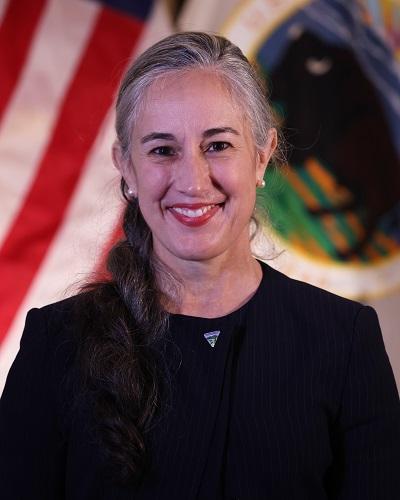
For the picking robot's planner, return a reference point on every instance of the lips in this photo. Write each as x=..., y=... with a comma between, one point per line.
x=195, y=214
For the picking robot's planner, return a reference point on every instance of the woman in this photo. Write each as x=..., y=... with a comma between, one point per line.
x=197, y=371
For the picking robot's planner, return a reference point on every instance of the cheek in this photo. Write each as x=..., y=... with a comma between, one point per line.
x=239, y=181
x=130, y=179
x=152, y=185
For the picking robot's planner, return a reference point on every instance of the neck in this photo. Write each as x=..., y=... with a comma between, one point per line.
x=212, y=288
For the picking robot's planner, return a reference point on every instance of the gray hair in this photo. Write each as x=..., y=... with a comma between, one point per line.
x=194, y=50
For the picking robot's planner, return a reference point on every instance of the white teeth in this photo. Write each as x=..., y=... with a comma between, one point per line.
x=193, y=213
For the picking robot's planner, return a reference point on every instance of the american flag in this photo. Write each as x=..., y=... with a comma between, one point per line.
x=61, y=62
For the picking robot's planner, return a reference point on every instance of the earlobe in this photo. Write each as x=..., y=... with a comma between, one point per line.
x=265, y=154
x=124, y=166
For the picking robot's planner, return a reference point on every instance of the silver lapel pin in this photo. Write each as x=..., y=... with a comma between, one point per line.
x=212, y=337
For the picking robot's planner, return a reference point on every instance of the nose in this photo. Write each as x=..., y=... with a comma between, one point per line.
x=192, y=175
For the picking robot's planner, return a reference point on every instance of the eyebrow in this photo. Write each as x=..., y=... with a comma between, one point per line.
x=170, y=137
x=157, y=135
x=219, y=130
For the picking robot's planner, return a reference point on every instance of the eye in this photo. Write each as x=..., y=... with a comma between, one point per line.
x=218, y=146
x=163, y=151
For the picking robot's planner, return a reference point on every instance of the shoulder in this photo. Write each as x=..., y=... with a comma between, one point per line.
x=37, y=381
x=312, y=308
x=52, y=323
x=300, y=290
x=58, y=331
x=69, y=316
x=52, y=336
x=48, y=340
x=338, y=338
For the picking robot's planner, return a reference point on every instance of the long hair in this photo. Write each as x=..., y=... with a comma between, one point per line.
x=120, y=353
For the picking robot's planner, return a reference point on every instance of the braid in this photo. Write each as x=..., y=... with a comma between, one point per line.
x=119, y=351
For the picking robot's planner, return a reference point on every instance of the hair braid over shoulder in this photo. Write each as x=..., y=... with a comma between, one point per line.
x=118, y=353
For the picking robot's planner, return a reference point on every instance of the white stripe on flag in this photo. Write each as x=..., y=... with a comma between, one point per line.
x=206, y=15
x=159, y=26
x=28, y=120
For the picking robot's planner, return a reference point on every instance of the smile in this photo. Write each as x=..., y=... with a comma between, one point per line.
x=194, y=215
x=193, y=212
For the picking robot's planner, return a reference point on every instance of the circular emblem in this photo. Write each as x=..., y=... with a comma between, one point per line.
x=335, y=207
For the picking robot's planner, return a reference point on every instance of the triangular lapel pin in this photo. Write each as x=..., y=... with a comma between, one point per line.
x=212, y=337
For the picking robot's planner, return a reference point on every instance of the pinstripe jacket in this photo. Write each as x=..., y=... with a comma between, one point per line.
x=296, y=401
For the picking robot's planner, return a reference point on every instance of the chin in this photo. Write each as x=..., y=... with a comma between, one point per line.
x=198, y=253
x=198, y=248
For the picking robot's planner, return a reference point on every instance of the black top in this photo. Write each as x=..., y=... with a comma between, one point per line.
x=296, y=400
x=207, y=368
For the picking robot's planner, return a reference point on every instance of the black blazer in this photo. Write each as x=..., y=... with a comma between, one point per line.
x=315, y=412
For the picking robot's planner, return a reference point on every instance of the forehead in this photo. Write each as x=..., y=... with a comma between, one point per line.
x=187, y=77
x=196, y=96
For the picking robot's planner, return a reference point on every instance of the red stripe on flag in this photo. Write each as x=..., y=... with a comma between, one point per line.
x=84, y=108
x=16, y=32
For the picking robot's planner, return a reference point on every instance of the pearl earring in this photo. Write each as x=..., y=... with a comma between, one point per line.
x=261, y=183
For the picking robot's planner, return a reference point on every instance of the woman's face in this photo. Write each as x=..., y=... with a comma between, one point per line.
x=194, y=168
